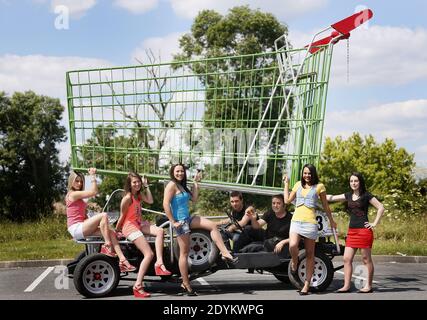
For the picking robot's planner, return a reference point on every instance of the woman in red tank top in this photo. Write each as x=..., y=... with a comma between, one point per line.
x=80, y=226
x=134, y=228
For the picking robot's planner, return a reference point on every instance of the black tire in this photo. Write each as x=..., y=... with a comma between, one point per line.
x=72, y=265
x=203, y=251
x=81, y=255
x=323, y=272
x=96, y=275
x=284, y=279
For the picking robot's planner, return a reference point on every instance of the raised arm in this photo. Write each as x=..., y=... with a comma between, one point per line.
x=93, y=191
x=380, y=210
x=146, y=195
x=288, y=197
x=195, y=189
x=250, y=213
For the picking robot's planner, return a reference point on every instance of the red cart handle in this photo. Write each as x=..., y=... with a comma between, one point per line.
x=342, y=29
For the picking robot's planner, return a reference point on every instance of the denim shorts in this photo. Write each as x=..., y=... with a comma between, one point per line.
x=305, y=229
x=184, y=228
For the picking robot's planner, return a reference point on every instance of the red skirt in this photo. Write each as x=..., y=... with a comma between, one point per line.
x=359, y=238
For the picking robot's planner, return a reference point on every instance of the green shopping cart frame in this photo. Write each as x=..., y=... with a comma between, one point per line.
x=243, y=120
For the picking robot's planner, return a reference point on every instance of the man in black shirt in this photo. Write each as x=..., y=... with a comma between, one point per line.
x=238, y=209
x=276, y=235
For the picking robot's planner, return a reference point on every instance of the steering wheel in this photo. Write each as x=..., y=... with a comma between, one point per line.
x=234, y=221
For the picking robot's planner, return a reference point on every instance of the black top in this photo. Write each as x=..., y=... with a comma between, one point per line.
x=238, y=215
x=277, y=227
x=358, y=209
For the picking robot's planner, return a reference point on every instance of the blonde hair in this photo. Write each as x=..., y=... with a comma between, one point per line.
x=73, y=176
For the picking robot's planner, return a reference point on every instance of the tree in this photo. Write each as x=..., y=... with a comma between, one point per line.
x=234, y=86
x=237, y=87
x=384, y=166
x=31, y=176
x=243, y=31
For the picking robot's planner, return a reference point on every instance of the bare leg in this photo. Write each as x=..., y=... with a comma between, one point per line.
x=142, y=244
x=158, y=233
x=184, y=249
x=367, y=260
x=116, y=245
x=294, y=239
x=203, y=223
x=309, y=245
x=348, y=267
x=95, y=223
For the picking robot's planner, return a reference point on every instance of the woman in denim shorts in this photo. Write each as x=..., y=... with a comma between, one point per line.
x=307, y=193
x=176, y=206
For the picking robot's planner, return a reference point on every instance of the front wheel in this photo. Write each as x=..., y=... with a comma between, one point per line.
x=96, y=275
x=282, y=278
x=322, y=275
x=203, y=251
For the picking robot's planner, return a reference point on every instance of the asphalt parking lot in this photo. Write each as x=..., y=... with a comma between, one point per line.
x=392, y=281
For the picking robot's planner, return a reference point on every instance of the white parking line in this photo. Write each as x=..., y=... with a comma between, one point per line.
x=357, y=277
x=36, y=282
x=202, y=281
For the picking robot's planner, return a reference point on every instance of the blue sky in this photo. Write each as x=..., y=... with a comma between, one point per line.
x=386, y=95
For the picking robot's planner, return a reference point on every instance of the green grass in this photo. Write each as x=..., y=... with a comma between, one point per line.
x=49, y=239
x=39, y=250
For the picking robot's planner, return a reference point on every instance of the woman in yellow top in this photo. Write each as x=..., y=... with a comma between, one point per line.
x=307, y=194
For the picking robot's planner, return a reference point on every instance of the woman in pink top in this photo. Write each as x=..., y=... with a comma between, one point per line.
x=79, y=226
x=134, y=228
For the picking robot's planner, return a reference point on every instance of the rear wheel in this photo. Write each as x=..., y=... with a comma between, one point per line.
x=322, y=275
x=96, y=275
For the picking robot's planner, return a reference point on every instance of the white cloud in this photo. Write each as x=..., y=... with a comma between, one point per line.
x=162, y=47
x=281, y=8
x=421, y=153
x=402, y=121
x=137, y=6
x=379, y=55
x=44, y=75
x=77, y=8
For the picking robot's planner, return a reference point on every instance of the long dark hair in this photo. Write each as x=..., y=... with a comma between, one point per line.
x=314, y=176
x=362, y=186
x=183, y=183
x=128, y=182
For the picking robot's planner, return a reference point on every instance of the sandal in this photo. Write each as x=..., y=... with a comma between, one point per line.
x=138, y=292
x=187, y=291
x=160, y=271
x=107, y=250
x=231, y=260
x=125, y=266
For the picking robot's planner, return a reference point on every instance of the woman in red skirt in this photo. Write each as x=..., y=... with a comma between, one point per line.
x=360, y=232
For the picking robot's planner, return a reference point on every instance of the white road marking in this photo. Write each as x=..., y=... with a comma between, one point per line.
x=36, y=282
x=357, y=277
x=202, y=281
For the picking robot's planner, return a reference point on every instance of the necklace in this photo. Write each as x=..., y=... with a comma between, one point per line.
x=355, y=197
